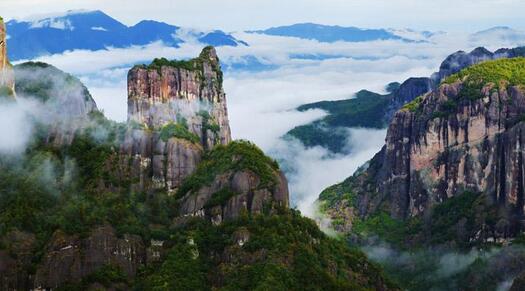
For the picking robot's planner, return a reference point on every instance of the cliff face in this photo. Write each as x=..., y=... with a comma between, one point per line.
x=407, y=91
x=70, y=258
x=465, y=136
x=456, y=139
x=177, y=111
x=7, y=81
x=186, y=90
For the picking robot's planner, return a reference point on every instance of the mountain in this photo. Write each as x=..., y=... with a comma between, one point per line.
x=166, y=201
x=95, y=30
x=367, y=109
x=449, y=176
x=329, y=34
x=372, y=110
x=501, y=34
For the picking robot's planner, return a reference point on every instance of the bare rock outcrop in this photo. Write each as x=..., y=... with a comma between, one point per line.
x=467, y=135
x=178, y=111
x=242, y=193
x=233, y=180
x=158, y=164
x=69, y=258
x=173, y=91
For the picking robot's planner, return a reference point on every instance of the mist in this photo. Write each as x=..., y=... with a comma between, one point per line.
x=16, y=126
x=310, y=171
x=443, y=269
x=261, y=103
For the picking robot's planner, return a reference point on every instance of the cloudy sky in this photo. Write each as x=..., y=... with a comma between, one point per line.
x=233, y=15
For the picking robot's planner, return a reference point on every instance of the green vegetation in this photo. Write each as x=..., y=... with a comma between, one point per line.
x=41, y=81
x=107, y=276
x=6, y=92
x=454, y=221
x=445, y=109
x=394, y=231
x=208, y=123
x=194, y=65
x=367, y=109
x=236, y=156
x=220, y=197
x=178, y=130
x=414, y=105
x=283, y=252
x=458, y=218
x=337, y=193
x=500, y=72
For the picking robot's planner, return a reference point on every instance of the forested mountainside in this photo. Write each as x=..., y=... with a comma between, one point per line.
x=372, y=110
x=449, y=176
x=166, y=201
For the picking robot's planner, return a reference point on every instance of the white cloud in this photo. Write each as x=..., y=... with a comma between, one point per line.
x=53, y=23
x=261, y=103
x=312, y=170
x=16, y=127
x=98, y=28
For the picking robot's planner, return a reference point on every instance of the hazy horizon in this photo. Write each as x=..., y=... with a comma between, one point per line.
x=235, y=15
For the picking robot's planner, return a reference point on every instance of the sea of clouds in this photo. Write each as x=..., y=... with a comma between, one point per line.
x=261, y=103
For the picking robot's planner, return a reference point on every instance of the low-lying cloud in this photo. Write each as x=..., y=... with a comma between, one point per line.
x=261, y=103
x=16, y=126
x=312, y=170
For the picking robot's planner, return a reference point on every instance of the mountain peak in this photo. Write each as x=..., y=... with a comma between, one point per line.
x=331, y=33
x=94, y=30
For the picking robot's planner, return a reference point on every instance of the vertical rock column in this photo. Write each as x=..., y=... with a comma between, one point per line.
x=188, y=92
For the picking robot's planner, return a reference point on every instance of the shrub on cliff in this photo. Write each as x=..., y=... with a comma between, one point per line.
x=178, y=130
x=236, y=156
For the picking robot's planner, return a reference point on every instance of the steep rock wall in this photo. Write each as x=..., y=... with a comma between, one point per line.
x=166, y=94
x=171, y=91
x=465, y=136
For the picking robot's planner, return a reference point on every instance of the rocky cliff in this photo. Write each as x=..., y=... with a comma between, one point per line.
x=181, y=91
x=7, y=81
x=232, y=181
x=177, y=111
x=372, y=110
x=463, y=137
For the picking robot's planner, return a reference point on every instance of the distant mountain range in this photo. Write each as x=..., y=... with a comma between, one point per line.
x=327, y=33
x=95, y=30
x=500, y=34
x=373, y=110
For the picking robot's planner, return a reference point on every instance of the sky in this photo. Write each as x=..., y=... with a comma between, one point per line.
x=237, y=15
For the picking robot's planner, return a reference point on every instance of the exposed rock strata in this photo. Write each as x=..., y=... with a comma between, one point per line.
x=169, y=93
x=249, y=198
x=163, y=94
x=157, y=164
x=69, y=258
x=449, y=144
